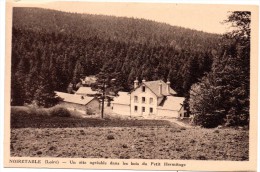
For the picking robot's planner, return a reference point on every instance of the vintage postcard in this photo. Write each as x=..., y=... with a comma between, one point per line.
x=120, y=85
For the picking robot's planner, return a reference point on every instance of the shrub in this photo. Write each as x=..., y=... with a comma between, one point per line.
x=90, y=112
x=39, y=111
x=60, y=112
x=28, y=111
x=237, y=120
x=16, y=110
x=209, y=120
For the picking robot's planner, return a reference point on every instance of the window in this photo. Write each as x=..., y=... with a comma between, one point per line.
x=136, y=99
x=143, y=88
x=136, y=108
x=143, y=109
x=143, y=99
x=151, y=100
x=151, y=110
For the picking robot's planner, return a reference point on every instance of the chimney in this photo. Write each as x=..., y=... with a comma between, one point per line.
x=143, y=80
x=160, y=88
x=136, y=83
x=168, y=87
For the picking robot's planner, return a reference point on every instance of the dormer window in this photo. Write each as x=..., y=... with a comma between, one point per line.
x=143, y=88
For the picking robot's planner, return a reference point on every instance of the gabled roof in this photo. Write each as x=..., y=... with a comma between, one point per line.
x=171, y=103
x=122, y=98
x=154, y=87
x=85, y=91
x=73, y=98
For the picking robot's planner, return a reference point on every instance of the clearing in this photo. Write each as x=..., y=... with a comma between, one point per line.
x=47, y=136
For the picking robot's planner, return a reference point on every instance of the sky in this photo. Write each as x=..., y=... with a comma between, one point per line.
x=205, y=18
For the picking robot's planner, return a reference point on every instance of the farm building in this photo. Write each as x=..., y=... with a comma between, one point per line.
x=83, y=104
x=89, y=80
x=121, y=104
x=150, y=98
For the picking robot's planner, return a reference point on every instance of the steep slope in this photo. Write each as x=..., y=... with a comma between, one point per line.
x=59, y=47
x=110, y=27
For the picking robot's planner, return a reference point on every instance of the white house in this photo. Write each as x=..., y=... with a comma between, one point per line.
x=150, y=98
x=83, y=104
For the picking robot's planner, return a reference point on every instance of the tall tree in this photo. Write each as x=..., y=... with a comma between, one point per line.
x=222, y=96
x=44, y=95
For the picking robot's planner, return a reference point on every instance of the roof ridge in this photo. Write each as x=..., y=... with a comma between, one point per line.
x=155, y=81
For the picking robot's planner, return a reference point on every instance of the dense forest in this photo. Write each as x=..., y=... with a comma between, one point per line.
x=51, y=49
x=64, y=46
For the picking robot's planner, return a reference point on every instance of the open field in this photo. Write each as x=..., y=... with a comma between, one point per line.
x=34, y=134
x=131, y=142
x=134, y=142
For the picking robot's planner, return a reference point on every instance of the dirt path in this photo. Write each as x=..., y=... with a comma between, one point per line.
x=179, y=123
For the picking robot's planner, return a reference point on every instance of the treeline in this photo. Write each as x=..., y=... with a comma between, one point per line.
x=127, y=30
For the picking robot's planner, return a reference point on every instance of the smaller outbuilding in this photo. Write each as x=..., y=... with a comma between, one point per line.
x=171, y=106
x=89, y=80
x=83, y=104
x=121, y=104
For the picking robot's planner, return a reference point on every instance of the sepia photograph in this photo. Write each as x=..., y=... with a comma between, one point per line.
x=131, y=81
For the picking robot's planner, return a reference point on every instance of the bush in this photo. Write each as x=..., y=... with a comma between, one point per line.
x=39, y=111
x=20, y=110
x=237, y=120
x=90, y=112
x=60, y=112
x=28, y=111
x=209, y=120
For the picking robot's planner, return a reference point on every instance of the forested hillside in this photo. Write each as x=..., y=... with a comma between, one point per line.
x=50, y=49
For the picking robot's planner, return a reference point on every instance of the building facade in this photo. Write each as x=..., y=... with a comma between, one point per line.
x=121, y=104
x=150, y=98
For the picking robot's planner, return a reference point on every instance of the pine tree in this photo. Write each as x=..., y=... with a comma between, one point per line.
x=222, y=96
x=18, y=88
x=44, y=95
